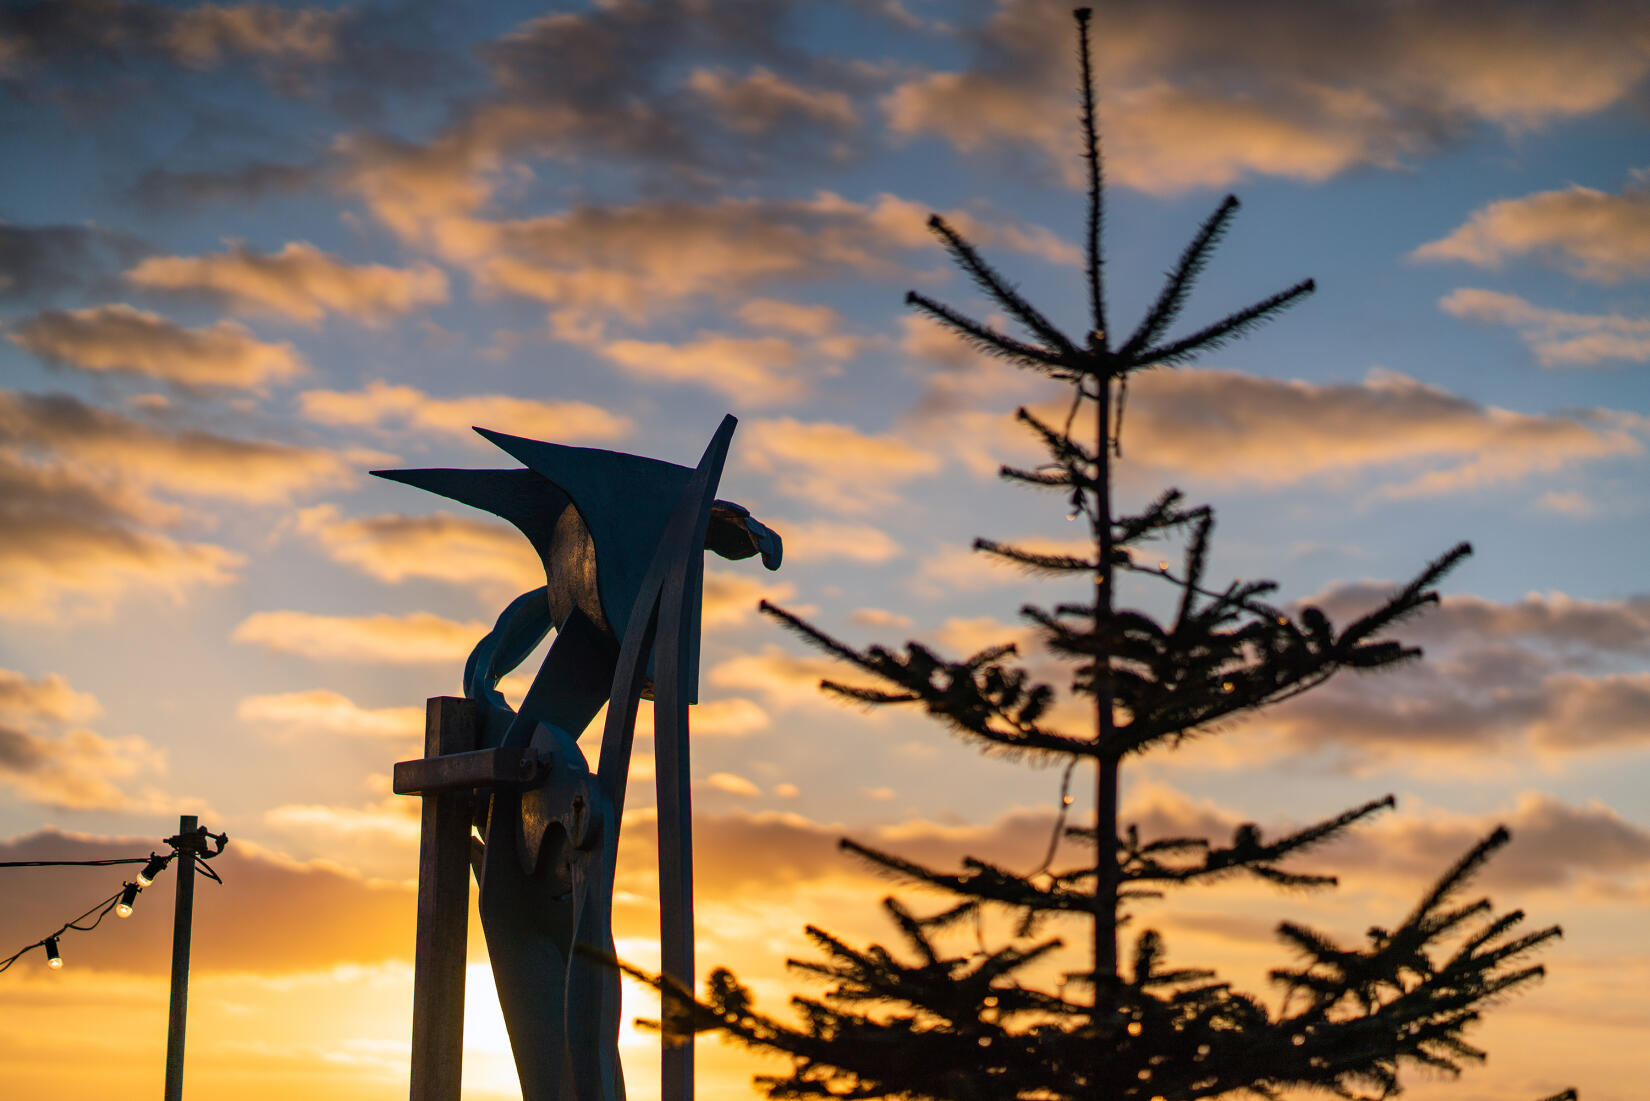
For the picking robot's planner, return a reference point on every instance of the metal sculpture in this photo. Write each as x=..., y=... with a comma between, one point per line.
x=621, y=538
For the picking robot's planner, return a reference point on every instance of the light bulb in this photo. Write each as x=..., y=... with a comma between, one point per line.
x=54, y=958
x=156, y=865
x=123, y=908
x=1134, y=1028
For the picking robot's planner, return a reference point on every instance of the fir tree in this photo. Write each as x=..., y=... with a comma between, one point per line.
x=924, y=1024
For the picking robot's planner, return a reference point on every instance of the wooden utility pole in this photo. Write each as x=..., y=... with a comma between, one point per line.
x=450, y=726
x=189, y=842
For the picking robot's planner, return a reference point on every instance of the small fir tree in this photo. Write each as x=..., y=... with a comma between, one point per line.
x=930, y=1025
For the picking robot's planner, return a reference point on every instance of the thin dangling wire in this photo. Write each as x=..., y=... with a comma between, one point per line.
x=1122, y=403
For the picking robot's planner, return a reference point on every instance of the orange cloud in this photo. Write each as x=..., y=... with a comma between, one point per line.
x=1555, y=336
x=1159, y=137
x=413, y=639
x=761, y=100
x=1589, y=233
x=880, y=617
x=205, y=36
x=1555, y=846
x=122, y=339
x=27, y=700
x=591, y=263
x=732, y=784
x=200, y=37
x=381, y=835
x=748, y=370
x=728, y=718
x=321, y=712
x=828, y=540
x=1229, y=427
x=70, y=546
x=394, y=547
x=1197, y=98
x=123, y=451
x=731, y=598
x=299, y=282
x=835, y=466
x=404, y=410
x=791, y=317
x=48, y=763
x=82, y=770
x=782, y=680
x=1498, y=678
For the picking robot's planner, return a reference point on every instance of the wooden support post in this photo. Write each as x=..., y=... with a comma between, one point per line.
x=187, y=843
x=451, y=725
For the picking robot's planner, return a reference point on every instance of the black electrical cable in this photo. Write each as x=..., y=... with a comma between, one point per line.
x=101, y=909
x=71, y=863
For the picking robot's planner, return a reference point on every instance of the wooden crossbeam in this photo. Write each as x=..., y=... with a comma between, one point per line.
x=469, y=771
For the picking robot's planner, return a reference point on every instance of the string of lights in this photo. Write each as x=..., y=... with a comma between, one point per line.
x=123, y=900
x=120, y=902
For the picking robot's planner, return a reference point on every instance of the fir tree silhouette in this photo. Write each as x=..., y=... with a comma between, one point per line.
x=932, y=1025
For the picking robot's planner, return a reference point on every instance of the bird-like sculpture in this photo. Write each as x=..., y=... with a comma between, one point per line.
x=621, y=539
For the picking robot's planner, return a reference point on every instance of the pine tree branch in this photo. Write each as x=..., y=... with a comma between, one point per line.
x=1094, y=256
x=1040, y=479
x=1065, y=450
x=1034, y=561
x=1172, y=297
x=979, y=881
x=988, y=340
x=1000, y=289
x=1407, y=600
x=1225, y=330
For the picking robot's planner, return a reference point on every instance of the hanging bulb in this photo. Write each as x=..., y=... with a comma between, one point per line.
x=1135, y=1028
x=1227, y=686
x=123, y=908
x=1067, y=800
x=156, y=865
x=1163, y=567
x=54, y=958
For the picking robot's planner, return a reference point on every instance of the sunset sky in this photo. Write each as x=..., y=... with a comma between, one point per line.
x=250, y=251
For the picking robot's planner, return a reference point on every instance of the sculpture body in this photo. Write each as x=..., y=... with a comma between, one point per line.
x=622, y=539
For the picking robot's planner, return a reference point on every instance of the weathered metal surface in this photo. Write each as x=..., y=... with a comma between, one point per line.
x=451, y=729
